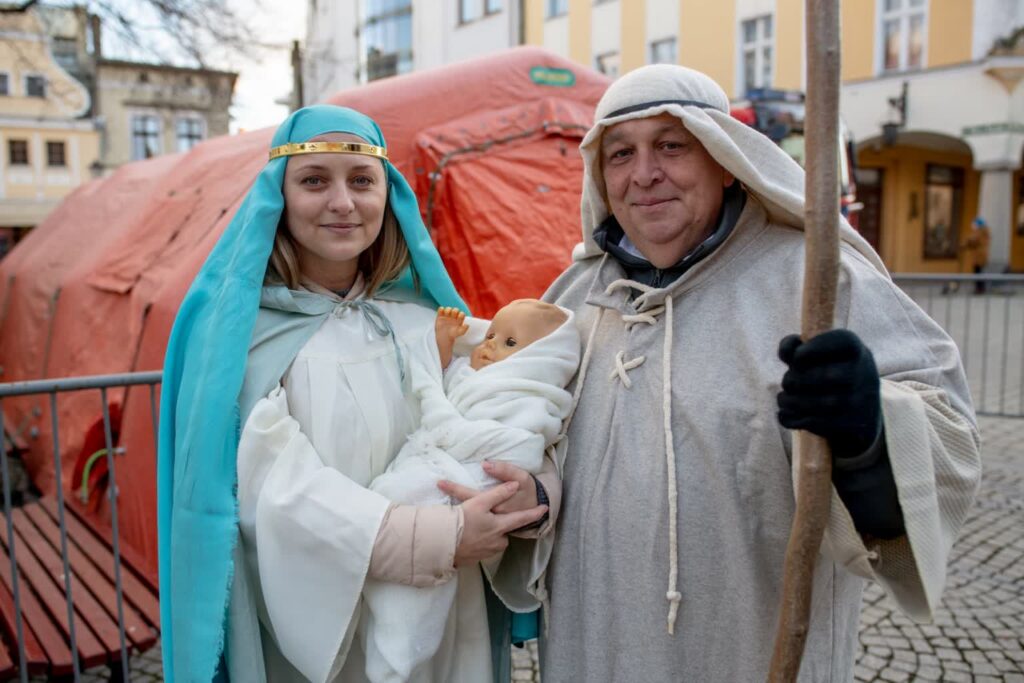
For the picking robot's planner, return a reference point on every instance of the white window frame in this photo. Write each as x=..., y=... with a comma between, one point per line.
x=476, y=6
x=758, y=45
x=615, y=56
x=32, y=74
x=548, y=14
x=10, y=84
x=662, y=41
x=131, y=132
x=202, y=130
x=903, y=15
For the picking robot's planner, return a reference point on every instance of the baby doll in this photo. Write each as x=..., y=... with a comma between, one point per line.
x=506, y=402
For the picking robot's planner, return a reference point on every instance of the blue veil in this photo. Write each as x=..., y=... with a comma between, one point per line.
x=204, y=370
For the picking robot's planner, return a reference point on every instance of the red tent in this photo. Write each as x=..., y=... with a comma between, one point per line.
x=489, y=145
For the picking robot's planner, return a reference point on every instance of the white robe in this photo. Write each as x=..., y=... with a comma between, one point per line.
x=306, y=455
x=508, y=411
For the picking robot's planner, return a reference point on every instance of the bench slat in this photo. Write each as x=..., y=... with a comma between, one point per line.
x=136, y=592
x=130, y=557
x=45, y=647
x=86, y=573
x=7, y=668
x=38, y=663
x=90, y=650
x=96, y=602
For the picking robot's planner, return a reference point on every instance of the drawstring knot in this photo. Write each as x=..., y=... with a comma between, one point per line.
x=378, y=321
x=622, y=367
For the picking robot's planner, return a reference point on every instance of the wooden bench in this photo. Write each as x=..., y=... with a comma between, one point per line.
x=93, y=589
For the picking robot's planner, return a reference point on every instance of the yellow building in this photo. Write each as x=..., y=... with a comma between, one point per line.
x=153, y=109
x=931, y=93
x=48, y=144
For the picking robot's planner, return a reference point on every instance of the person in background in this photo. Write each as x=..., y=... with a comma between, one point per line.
x=976, y=247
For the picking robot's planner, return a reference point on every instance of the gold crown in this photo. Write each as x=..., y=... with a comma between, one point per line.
x=293, y=148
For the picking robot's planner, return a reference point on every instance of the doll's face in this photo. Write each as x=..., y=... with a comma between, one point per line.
x=515, y=327
x=334, y=209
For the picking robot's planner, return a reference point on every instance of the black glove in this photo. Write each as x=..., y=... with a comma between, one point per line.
x=832, y=389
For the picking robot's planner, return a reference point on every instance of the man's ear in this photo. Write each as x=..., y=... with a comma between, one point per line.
x=727, y=179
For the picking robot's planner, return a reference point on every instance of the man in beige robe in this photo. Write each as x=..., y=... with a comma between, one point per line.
x=666, y=564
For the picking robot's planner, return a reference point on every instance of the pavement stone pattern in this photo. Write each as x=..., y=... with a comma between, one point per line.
x=977, y=633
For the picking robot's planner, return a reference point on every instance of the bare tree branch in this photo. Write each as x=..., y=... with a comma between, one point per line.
x=197, y=32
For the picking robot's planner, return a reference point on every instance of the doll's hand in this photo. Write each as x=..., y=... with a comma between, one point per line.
x=449, y=326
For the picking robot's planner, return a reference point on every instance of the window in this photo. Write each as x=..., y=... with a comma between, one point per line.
x=5, y=83
x=556, y=8
x=902, y=27
x=65, y=52
x=756, y=61
x=17, y=152
x=55, y=153
x=943, y=210
x=608, y=64
x=469, y=10
x=386, y=37
x=145, y=136
x=492, y=6
x=1020, y=207
x=663, y=51
x=35, y=86
x=189, y=133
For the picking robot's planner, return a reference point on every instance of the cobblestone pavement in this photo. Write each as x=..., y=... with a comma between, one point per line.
x=978, y=632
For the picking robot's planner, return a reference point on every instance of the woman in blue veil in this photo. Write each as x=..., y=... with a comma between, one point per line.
x=291, y=340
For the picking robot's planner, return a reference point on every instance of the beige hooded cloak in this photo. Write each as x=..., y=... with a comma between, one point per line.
x=678, y=492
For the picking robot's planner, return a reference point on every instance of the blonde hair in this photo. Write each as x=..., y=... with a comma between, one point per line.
x=381, y=263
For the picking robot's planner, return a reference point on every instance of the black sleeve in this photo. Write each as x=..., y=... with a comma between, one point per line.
x=867, y=487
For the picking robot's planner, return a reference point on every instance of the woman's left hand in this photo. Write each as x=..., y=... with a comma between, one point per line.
x=524, y=499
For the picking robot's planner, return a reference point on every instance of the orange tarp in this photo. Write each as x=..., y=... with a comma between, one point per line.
x=489, y=145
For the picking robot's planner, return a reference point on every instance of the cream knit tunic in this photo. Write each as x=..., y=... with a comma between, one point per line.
x=610, y=569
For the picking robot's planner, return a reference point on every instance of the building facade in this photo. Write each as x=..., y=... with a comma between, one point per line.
x=350, y=42
x=931, y=90
x=148, y=109
x=48, y=142
x=68, y=115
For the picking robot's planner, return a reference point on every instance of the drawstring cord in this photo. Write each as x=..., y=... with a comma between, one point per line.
x=380, y=324
x=650, y=317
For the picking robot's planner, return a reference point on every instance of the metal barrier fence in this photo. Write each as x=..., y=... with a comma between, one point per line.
x=53, y=387
x=984, y=314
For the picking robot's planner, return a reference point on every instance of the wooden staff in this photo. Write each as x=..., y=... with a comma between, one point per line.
x=821, y=224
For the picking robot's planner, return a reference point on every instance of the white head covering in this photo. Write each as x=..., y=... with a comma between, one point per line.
x=763, y=167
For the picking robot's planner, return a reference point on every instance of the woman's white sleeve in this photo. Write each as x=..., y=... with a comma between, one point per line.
x=311, y=530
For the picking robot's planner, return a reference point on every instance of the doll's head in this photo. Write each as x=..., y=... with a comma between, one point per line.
x=515, y=327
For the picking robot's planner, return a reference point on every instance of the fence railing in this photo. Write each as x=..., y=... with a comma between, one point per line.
x=984, y=314
x=52, y=387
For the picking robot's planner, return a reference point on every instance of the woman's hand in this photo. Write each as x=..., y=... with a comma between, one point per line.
x=524, y=499
x=483, y=531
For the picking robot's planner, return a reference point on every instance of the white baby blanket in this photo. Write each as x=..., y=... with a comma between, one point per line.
x=508, y=411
